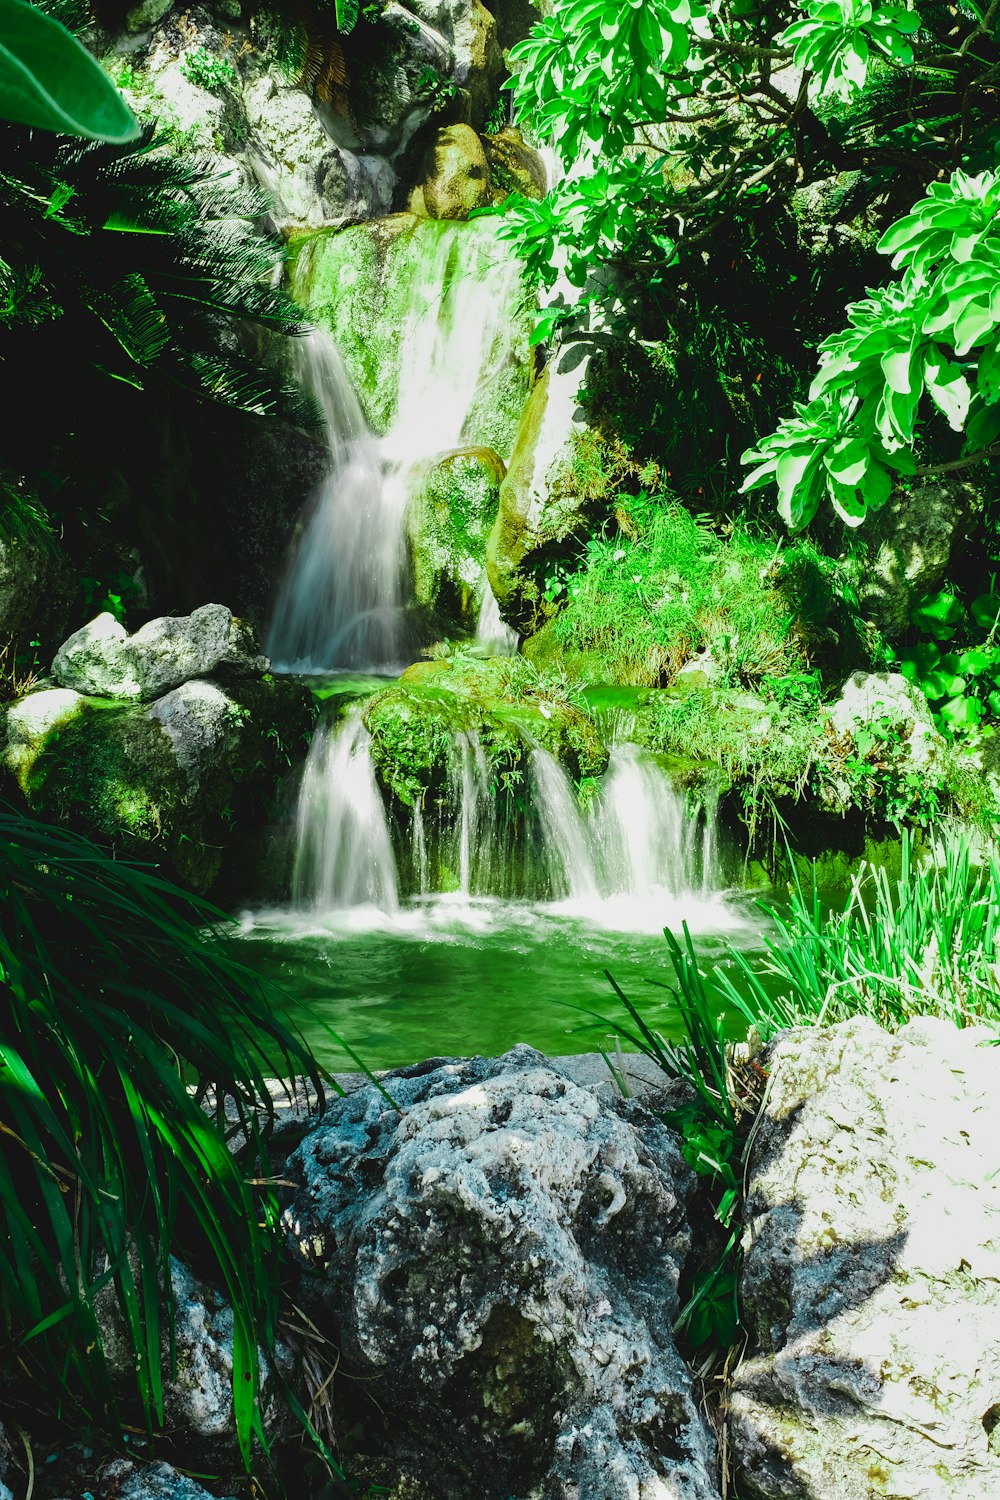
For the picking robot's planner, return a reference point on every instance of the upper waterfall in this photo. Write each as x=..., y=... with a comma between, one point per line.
x=343, y=600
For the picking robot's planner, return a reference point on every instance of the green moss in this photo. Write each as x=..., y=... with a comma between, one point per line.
x=665, y=587
x=503, y=701
x=449, y=521
x=367, y=283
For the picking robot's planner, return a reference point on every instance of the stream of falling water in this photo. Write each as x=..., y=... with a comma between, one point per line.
x=633, y=856
x=342, y=602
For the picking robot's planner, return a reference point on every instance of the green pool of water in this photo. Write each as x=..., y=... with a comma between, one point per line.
x=454, y=976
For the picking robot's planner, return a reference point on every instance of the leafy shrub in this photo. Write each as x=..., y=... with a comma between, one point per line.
x=935, y=332
x=206, y=71
x=641, y=605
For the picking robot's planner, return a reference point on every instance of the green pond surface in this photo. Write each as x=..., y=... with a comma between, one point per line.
x=456, y=976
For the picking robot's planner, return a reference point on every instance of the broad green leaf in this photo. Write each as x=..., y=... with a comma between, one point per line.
x=949, y=389
x=974, y=324
x=988, y=375
x=847, y=460
x=49, y=81
x=985, y=610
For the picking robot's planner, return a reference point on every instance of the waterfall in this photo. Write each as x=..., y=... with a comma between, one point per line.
x=493, y=634
x=645, y=838
x=636, y=843
x=564, y=833
x=344, y=854
x=342, y=602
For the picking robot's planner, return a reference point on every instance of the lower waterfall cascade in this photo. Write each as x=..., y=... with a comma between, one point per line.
x=634, y=843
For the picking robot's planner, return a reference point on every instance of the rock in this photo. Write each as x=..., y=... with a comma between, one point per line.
x=183, y=780
x=372, y=285
x=515, y=167
x=105, y=661
x=124, y=1480
x=910, y=548
x=198, y=1397
x=33, y=722
x=478, y=66
x=392, y=83
x=310, y=179
x=191, y=118
x=882, y=707
x=37, y=591
x=421, y=728
x=835, y=217
x=146, y=14
x=458, y=179
x=541, y=507
x=449, y=518
x=871, y=1283
x=498, y=1265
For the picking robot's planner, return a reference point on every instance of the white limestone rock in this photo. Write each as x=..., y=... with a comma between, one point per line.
x=498, y=1265
x=102, y=659
x=871, y=1284
x=897, y=712
x=158, y=1481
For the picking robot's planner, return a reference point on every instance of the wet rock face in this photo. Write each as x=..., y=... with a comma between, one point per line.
x=129, y=1481
x=498, y=1263
x=541, y=504
x=871, y=1285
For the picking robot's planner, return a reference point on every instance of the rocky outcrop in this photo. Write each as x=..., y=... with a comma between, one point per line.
x=502, y=1292
x=871, y=1284
x=421, y=728
x=912, y=542
x=370, y=285
x=883, y=710
x=449, y=518
x=103, y=660
x=541, y=505
x=184, y=779
x=37, y=591
x=515, y=167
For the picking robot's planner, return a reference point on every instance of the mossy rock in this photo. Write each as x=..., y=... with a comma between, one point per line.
x=546, y=506
x=180, y=780
x=456, y=175
x=370, y=284
x=416, y=725
x=515, y=167
x=449, y=520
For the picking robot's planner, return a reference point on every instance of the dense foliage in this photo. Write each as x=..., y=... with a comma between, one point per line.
x=117, y=996
x=673, y=121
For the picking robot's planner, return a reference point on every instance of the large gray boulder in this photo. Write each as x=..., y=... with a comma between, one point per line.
x=913, y=544
x=497, y=1261
x=871, y=1284
x=103, y=660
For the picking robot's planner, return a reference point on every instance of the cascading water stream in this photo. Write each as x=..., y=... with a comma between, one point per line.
x=344, y=854
x=342, y=603
x=635, y=844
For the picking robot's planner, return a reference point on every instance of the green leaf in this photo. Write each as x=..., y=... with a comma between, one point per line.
x=847, y=460
x=948, y=388
x=988, y=375
x=49, y=81
x=974, y=324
